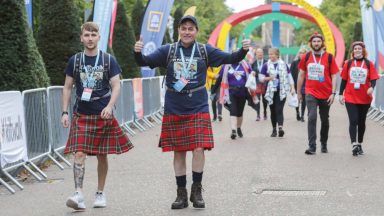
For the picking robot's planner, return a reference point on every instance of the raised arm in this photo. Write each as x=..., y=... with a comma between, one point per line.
x=218, y=57
x=156, y=59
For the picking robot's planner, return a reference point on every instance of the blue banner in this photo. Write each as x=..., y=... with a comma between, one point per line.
x=102, y=16
x=28, y=7
x=153, y=28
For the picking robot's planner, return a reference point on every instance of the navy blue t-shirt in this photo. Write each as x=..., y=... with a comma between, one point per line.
x=179, y=103
x=101, y=76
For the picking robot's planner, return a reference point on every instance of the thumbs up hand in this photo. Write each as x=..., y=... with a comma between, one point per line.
x=246, y=43
x=139, y=44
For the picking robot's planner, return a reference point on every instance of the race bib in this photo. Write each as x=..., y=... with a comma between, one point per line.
x=358, y=75
x=316, y=72
x=87, y=93
x=180, y=84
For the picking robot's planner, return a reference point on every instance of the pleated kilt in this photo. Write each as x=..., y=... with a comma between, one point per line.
x=93, y=135
x=186, y=132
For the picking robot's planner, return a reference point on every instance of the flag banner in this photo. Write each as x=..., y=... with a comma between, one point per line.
x=28, y=7
x=114, y=9
x=102, y=16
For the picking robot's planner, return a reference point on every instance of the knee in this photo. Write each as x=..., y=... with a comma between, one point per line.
x=102, y=158
x=198, y=151
x=80, y=157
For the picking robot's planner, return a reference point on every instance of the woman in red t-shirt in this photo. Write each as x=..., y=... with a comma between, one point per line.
x=358, y=80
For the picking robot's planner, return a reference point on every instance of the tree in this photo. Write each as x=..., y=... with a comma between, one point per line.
x=123, y=43
x=136, y=17
x=58, y=36
x=21, y=64
x=179, y=12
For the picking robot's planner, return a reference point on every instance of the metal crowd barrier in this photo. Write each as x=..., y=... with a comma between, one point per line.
x=128, y=109
x=376, y=112
x=147, y=101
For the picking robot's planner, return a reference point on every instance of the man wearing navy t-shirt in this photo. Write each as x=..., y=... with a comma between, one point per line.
x=186, y=124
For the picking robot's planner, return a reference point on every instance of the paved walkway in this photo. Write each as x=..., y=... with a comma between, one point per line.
x=247, y=176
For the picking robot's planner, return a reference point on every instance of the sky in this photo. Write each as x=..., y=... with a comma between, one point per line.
x=246, y=4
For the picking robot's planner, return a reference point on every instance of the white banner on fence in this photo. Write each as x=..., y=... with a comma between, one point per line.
x=13, y=142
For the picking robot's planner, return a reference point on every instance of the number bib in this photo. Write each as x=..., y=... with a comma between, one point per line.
x=358, y=75
x=316, y=72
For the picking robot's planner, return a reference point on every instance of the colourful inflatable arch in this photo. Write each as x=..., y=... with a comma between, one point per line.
x=275, y=16
x=225, y=26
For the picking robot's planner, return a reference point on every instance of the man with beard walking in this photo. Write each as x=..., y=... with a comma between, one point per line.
x=319, y=69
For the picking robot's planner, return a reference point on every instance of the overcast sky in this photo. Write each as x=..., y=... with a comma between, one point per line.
x=246, y=4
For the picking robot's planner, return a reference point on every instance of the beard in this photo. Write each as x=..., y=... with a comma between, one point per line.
x=317, y=49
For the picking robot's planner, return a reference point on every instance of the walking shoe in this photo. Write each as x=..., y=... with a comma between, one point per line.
x=214, y=119
x=196, y=196
x=324, y=148
x=355, y=149
x=239, y=132
x=281, y=132
x=265, y=116
x=220, y=118
x=181, y=199
x=100, y=200
x=258, y=118
x=274, y=133
x=310, y=151
x=302, y=119
x=76, y=201
x=298, y=117
x=361, y=152
x=233, y=134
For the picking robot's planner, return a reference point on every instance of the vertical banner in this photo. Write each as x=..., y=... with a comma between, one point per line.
x=114, y=9
x=13, y=143
x=28, y=7
x=153, y=28
x=378, y=15
x=138, y=96
x=102, y=16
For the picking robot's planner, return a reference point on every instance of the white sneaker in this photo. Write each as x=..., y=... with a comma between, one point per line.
x=76, y=201
x=100, y=200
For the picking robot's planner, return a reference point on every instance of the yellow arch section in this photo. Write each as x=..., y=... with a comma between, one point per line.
x=223, y=35
x=321, y=21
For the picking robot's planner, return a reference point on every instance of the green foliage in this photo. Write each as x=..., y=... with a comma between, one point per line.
x=35, y=16
x=179, y=12
x=21, y=64
x=59, y=36
x=136, y=17
x=123, y=43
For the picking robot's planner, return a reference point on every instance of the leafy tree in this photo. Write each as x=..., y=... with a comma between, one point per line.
x=179, y=12
x=123, y=43
x=21, y=64
x=136, y=17
x=35, y=16
x=58, y=36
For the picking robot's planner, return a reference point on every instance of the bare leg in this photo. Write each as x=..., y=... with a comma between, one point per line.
x=179, y=163
x=79, y=170
x=198, y=160
x=233, y=120
x=102, y=170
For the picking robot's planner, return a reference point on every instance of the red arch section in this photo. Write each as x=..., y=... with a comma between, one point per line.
x=236, y=18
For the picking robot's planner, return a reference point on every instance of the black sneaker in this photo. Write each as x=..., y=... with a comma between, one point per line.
x=360, y=152
x=281, y=132
x=233, y=134
x=220, y=118
x=324, y=148
x=274, y=133
x=239, y=132
x=298, y=117
x=214, y=119
x=302, y=119
x=355, y=150
x=310, y=151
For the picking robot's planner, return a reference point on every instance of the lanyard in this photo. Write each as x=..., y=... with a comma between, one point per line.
x=90, y=82
x=314, y=58
x=96, y=62
x=190, y=59
x=361, y=66
x=259, y=65
x=236, y=67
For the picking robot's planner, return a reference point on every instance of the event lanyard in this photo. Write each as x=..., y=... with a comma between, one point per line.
x=90, y=78
x=361, y=66
x=190, y=59
x=259, y=65
x=314, y=58
x=236, y=67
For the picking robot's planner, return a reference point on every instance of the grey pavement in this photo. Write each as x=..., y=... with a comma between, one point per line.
x=254, y=175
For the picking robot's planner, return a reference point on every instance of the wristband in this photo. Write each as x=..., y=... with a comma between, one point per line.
x=64, y=113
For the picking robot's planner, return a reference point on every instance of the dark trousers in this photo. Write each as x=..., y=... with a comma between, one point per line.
x=312, y=104
x=216, y=107
x=265, y=104
x=302, y=106
x=277, y=108
x=357, y=114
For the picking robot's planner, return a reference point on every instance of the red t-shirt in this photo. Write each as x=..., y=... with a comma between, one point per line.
x=318, y=78
x=364, y=77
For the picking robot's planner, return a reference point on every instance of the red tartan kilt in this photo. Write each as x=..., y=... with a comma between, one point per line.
x=93, y=135
x=186, y=132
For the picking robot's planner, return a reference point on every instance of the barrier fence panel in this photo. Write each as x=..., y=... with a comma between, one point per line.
x=118, y=112
x=153, y=99
x=58, y=134
x=147, y=101
x=127, y=101
x=157, y=97
x=378, y=113
x=37, y=126
x=137, y=85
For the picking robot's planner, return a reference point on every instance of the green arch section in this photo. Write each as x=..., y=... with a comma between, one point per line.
x=269, y=18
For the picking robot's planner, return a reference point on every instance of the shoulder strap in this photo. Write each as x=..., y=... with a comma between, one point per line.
x=171, y=51
x=368, y=63
x=77, y=65
x=349, y=63
x=203, y=52
x=307, y=56
x=106, y=63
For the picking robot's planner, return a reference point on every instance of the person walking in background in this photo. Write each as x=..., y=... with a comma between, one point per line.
x=319, y=70
x=94, y=130
x=261, y=87
x=358, y=81
x=217, y=107
x=186, y=124
x=275, y=73
x=295, y=73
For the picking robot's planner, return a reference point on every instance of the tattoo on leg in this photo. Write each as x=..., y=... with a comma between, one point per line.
x=78, y=172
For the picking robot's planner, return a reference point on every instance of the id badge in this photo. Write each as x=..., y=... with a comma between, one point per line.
x=87, y=93
x=356, y=86
x=180, y=84
x=321, y=77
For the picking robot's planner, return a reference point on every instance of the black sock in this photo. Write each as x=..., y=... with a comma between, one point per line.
x=197, y=177
x=181, y=181
x=233, y=131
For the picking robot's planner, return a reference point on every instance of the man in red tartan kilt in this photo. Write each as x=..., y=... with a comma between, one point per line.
x=94, y=130
x=186, y=124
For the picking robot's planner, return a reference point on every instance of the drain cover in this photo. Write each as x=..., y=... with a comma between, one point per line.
x=293, y=192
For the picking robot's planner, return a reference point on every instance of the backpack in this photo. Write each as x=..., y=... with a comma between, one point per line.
x=349, y=63
x=106, y=58
x=202, y=49
x=330, y=57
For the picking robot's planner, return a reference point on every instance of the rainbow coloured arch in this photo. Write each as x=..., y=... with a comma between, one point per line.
x=224, y=27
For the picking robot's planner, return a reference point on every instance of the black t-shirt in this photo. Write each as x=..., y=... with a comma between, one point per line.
x=101, y=77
